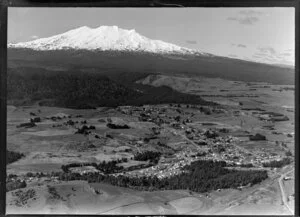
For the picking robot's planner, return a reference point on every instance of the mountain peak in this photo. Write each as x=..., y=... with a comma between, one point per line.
x=103, y=38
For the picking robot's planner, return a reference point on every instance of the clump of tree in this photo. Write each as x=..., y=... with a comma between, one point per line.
x=224, y=130
x=54, y=194
x=164, y=145
x=13, y=185
x=110, y=166
x=85, y=129
x=12, y=176
x=211, y=134
x=26, y=125
x=257, y=137
x=105, y=167
x=38, y=175
x=205, y=110
x=247, y=165
x=12, y=156
x=219, y=148
x=277, y=163
x=201, y=154
x=147, y=155
x=288, y=153
x=70, y=123
x=35, y=119
x=117, y=126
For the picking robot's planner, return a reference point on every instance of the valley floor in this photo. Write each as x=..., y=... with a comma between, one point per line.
x=181, y=133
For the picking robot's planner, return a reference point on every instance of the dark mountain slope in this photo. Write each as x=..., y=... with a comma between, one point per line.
x=109, y=62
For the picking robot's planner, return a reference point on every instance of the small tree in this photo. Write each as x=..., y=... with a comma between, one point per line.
x=288, y=153
x=29, y=174
x=23, y=184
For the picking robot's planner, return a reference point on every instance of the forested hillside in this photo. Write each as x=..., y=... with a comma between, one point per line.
x=76, y=89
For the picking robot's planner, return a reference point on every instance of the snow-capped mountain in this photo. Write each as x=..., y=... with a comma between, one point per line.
x=103, y=38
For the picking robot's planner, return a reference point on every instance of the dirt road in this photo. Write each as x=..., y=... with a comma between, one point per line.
x=283, y=194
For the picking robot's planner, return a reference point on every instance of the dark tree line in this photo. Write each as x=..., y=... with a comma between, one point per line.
x=248, y=165
x=105, y=167
x=117, y=126
x=147, y=155
x=277, y=164
x=200, y=176
x=12, y=156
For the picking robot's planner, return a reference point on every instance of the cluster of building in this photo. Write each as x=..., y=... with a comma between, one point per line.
x=83, y=170
x=161, y=170
x=160, y=114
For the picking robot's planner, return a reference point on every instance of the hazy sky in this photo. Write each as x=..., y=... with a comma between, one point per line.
x=260, y=34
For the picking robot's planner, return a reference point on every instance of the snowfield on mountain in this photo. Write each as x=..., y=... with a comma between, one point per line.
x=104, y=38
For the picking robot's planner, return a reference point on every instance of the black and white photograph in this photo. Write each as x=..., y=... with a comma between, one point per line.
x=150, y=111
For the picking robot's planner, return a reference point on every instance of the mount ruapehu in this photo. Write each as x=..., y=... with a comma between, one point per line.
x=118, y=58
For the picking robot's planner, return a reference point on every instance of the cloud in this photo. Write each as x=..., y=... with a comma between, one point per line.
x=263, y=56
x=238, y=45
x=251, y=12
x=287, y=54
x=289, y=50
x=257, y=56
x=269, y=54
x=191, y=41
x=34, y=37
x=232, y=18
x=269, y=58
x=242, y=45
x=247, y=58
x=267, y=50
x=248, y=20
x=260, y=54
x=232, y=55
x=244, y=20
x=247, y=17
